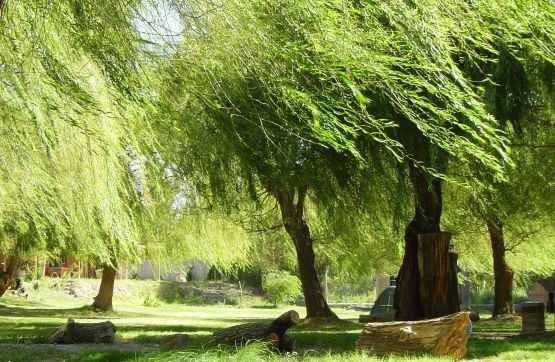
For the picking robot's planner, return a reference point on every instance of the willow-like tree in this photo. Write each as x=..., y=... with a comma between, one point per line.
x=519, y=94
x=59, y=108
x=525, y=113
x=291, y=100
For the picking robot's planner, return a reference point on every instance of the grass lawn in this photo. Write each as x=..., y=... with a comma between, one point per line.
x=29, y=322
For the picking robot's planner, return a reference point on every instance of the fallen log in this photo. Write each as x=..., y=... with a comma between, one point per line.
x=74, y=332
x=445, y=336
x=273, y=333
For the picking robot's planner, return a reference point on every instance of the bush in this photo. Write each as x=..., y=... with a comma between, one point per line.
x=231, y=300
x=151, y=301
x=193, y=300
x=487, y=296
x=281, y=286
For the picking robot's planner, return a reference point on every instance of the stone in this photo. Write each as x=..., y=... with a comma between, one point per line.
x=174, y=341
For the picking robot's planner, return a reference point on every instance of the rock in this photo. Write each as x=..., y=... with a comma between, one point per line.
x=474, y=316
x=174, y=341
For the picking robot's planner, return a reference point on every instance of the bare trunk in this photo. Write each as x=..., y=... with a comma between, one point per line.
x=426, y=283
x=103, y=301
x=7, y=276
x=504, y=303
x=2, y=5
x=293, y=217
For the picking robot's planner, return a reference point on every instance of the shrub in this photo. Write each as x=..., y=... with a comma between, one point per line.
x=151, y=299
x=231, y=300
x=193, y=300
x=281, y=286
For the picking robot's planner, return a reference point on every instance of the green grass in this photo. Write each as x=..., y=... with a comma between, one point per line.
x=28, y=322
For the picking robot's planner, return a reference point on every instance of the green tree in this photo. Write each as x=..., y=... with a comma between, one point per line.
x=65, y=109
x=295, y=105
x=519, y=94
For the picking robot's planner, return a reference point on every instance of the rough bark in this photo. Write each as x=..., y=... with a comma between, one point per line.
x=446, y=336
x=271, y=333
x=417, y=289
x=435, y=273
x=103, y=301
x=73, y=332
x=7, y=277
x=503, y=274
x=2, y=5
x=294, y=221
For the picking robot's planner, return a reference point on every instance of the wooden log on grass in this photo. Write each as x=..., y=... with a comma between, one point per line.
x=74, y=332
x=445, y=336
x=271, y=333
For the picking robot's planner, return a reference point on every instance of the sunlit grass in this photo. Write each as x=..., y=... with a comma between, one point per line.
x=28, y=322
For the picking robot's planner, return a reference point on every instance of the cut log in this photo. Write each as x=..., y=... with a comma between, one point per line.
x=74, y=332
x=271, y=333
x=445, y=336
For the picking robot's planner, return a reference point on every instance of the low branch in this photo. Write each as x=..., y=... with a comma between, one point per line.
x=264, y=229
x=533, y=145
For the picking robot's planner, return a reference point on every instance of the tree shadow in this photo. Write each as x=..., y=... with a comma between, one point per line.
x=84, y=312
x=479, y=347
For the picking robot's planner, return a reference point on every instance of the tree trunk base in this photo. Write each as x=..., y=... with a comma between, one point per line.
x=73, y=332
x=272, y=334
x=445, y=336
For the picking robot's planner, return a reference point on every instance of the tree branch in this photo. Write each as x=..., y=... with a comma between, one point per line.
x=531, y=145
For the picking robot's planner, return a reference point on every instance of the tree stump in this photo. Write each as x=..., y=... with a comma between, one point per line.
x=273, y=333
x=74, y=332
x=445, y=336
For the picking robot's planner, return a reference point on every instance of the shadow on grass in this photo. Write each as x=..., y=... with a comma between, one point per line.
x=238, y=320
x=165, y=328
x=27, y=332
x=108, y=356
x=334, y=342
x=520, y=347
x=47, y=355
x=263, y=306
x=79, y=312
x=38, y=332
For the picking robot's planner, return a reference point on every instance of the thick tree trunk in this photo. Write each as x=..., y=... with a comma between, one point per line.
x=504, y=303
x=293, y=218
x=103, y=301
x=426, y=283
x=6, y=277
